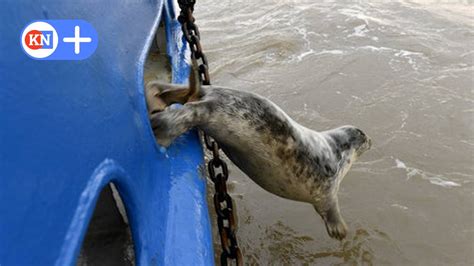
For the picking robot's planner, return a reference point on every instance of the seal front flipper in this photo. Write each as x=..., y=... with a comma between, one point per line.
x=173, y=122
x=169, y=124
x=159, y=95
x=329, y=211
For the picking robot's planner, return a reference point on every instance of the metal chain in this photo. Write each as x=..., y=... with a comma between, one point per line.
x=218, y=171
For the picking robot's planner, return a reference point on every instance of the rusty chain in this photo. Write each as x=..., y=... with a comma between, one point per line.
x=217, y=168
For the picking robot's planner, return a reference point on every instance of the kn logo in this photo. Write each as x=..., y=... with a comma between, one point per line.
x=59, y=40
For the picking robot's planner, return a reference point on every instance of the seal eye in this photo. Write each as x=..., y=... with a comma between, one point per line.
x=360, y=132
x=345, y=146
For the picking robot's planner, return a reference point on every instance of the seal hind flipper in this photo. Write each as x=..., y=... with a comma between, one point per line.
x=159, y=94
x=167, y=93
x=158, y=98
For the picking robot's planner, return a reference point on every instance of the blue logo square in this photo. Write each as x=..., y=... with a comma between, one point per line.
x=47, y=39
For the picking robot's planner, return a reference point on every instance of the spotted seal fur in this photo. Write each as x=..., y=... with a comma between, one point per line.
x=282, y=156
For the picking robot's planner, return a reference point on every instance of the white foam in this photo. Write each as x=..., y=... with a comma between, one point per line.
x=359, y=31
x=443, y=183
x=404, y=53
x=312, y=52
x=307, y=43
x=432, y=178
x=399, y=206
x=359, y=14
x=411, y=173
x=400, y=164
x=410, y=56
x=336, y=52
x=303, y=55
x=374, y=48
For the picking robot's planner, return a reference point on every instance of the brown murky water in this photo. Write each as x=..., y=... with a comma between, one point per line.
x=403, y=72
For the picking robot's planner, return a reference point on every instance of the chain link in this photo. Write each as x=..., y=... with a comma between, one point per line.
x=217, y=168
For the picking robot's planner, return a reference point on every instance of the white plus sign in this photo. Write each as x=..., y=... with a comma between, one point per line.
x=77, y=39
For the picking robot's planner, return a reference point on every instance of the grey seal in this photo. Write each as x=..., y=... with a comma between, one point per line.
x=282, y=156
